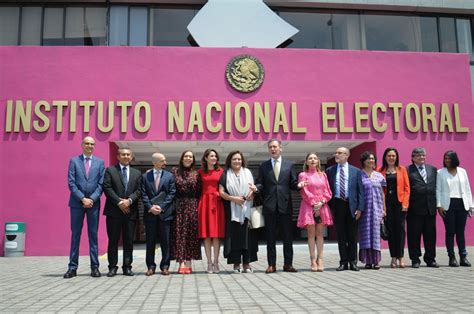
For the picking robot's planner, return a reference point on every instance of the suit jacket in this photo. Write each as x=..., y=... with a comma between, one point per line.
x=167, y=188
x=276, y=193
x=356, y=190
x=114, y=190
x=422, y=195
x=443, y=189
x=81, y=186
x=403, y=185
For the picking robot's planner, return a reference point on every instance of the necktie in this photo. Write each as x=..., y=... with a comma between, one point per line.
x=157, y=180
x=88, y=166
x=125, y=178
x=342, y=183
x=276, y=169
x=423, y=172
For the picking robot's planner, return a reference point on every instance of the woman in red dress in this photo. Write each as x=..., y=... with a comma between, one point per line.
x=211, y=216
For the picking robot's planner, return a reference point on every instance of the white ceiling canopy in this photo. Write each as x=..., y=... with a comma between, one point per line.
x=239, y=23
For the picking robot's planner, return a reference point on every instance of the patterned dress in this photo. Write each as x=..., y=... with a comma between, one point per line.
x=186, y=244
x=211, y=215
x=369, y=224
x=316, y=191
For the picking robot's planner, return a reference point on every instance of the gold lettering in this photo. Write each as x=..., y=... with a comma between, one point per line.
x=195, y=118
x=375, y=117
x=280, y=118
x=396, y=107
x=175, y=117
x=41, y=116
x=72, y=116
x=359, y=117
x=294, y=119
x=60, y=105
x=261, y=117
x=9, y=116
x=412, y=127
x=110, y=117
x=87, y=104
x=22, y=116
x=457, y=119
x=124, y=105
x=342, y=127
x=428, y=113
x=213, y=106
x=228, y=115
x=142, y=105
x=238, y=119
x=445, y=120
x=328, y=117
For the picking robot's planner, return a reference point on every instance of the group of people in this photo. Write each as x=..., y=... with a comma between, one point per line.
x=186, y=206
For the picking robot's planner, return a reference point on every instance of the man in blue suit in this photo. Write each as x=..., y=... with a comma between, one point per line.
x=347, y=206
x=158, y=190
x=85, y=179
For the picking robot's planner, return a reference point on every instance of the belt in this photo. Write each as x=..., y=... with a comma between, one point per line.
x=342, y=199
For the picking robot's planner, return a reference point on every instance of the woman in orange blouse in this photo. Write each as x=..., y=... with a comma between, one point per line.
x=397, y=195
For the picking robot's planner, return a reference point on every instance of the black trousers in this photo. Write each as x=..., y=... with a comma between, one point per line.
x=417, y=226
x=284, y=221
x=395, y=223
x=455, y=223
x=152, y=226
x=346, y=227
x=116, y=227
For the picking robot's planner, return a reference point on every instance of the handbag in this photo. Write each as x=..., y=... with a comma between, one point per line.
x=256, y=217
x=384, y=234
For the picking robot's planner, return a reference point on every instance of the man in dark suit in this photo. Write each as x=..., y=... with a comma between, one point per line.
x=85, y=179
x=122, y=189
x=276, y=177
x=421, y=217
x=158, y=191
x=347, y=205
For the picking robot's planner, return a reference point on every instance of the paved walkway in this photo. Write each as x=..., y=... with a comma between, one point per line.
x=35, y=284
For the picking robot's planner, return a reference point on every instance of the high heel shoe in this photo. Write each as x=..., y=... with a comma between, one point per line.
x=393, y=264
x=216, y=268
x=314, y=265
x=189, y=270
x=319, y=263
x=401, y=263
x=210, y=268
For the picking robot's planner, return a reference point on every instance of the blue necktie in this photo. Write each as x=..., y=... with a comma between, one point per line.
x=342, y=183
x=125, y=179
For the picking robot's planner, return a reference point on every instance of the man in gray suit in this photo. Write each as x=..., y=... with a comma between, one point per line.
x=276, y=177
x=85, y=179
x=122, y=188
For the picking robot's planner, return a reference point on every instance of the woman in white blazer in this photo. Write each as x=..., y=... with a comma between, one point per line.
x=454, y=202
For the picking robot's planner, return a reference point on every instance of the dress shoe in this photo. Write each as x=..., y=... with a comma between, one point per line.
x=70, y=273
x=432, y=264
x=112, y=271
x=464, y=262
x=368, y=266
x=182, y=270
x=453, y=262
x=150, y=272
x=353, y=266
x=342, y=267
x=415, y=264
x=127, y=271
x=270, y=269
x=165, y=272
x=376, y=266
x=289, y=269
x=95, y=272
x=188, y=270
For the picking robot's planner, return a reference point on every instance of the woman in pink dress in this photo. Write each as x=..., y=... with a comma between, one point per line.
x=314, y=212
x=211, y=215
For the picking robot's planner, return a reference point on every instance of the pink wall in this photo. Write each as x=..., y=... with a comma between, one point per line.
x=33, y=185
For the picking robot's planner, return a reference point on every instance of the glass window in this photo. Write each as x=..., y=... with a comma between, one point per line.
x=138, y=26
x=118, y=26
x=392, y=33
x=168, y=26
x=85, y=26
x=9, y=25
x=53, y=27
x=429, y=34
x=447, y=34
x=31, y=26
x=463, y=27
